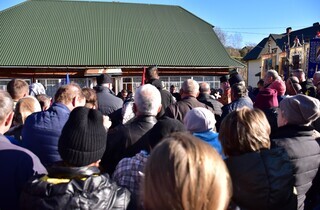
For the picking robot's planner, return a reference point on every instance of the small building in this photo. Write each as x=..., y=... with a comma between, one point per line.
x=282, y=52
x=43, y=40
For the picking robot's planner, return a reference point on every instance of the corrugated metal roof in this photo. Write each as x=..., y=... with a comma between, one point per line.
x=79, y=33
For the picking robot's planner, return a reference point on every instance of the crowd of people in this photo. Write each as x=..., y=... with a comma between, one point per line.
x=150, y=148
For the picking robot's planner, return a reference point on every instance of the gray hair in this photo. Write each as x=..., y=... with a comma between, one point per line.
x=190, y=87
x=6, y=105
x=147, y=100
x=273, y=73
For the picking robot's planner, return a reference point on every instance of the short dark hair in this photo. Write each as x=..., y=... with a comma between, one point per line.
x=17, y=88
x=152, y=72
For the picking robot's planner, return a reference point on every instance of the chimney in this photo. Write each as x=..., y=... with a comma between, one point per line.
x=288, y=30
x=316, y=24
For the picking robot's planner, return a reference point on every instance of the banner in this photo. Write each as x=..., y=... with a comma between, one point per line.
x=314, y=57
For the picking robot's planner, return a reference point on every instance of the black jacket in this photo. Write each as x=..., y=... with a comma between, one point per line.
x=122, y=138
x=304, y=153
x=179, y=109
x=214, y=104
x=262, y=180
x=109, y=104
x=73, y=188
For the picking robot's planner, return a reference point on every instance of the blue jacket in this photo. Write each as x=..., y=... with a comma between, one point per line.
x=17, y=166
x=42, y=130
x=211, y=138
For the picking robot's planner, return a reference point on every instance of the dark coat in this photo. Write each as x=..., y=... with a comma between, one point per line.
x=109, y=104
x=17, y=166
x=41, y=132
x=304, y=153
x=214, y=104
x=122, y=138
x=85, y=189
x=237, y=104
x=166, y=97
x=262, y=180
x=179, y=109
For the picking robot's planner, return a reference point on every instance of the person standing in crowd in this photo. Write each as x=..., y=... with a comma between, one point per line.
x=91, y=98
x=192, y=175
x=175, y=94
x=189, y=94
x=267, y=101
x=206, y=98
x=42, y=130
x=108, y=103
x=17, y=88
x=129, y=171
x=307, y=87
x=226, y=90
x=262, y=178
x=201, y=123
x=17, y=164
x=239, y=98
x=121, y=140
x=25, y=107
x=295, y=135
x=36, y=89
x=76, y=182
x=152, y=77
x=273, y=80
x=292, y=86
x=123, y=94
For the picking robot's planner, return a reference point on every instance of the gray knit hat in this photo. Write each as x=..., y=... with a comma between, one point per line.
x=83, y=138
x=199, y=119
x=300, y=109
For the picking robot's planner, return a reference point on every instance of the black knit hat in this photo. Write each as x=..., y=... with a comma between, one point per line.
x=83, y=138
x=103, y=79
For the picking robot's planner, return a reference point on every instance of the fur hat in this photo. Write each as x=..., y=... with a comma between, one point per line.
x=300, y=109
x=266, y=99
x=103, y=79
x=83, y=138
x=199, y=119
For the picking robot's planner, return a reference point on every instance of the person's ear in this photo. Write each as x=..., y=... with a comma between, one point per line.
x=8, y=120
x=159, y=109
x=74, y=101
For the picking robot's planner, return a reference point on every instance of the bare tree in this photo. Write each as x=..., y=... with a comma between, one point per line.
x=235, y=40
x=223, y=36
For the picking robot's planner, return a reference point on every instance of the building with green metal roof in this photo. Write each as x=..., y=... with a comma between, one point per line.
x=49, y=38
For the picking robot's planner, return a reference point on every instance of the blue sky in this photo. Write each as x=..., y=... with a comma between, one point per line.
x=253, y=19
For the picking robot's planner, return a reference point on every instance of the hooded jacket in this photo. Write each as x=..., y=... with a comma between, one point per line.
x=73, y=188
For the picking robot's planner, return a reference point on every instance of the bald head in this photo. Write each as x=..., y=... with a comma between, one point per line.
x=204, y=88
x=316, y=78
x=190, y=88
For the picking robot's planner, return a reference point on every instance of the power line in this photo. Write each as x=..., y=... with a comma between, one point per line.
x=245, y=32
x=252, y=28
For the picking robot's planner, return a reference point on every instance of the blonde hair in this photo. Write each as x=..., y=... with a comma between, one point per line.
x=245, y=130
x=24, y=108
x=184, y=172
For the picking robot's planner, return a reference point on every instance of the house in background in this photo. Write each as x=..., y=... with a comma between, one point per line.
x=282, y=52
x=43, y=40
